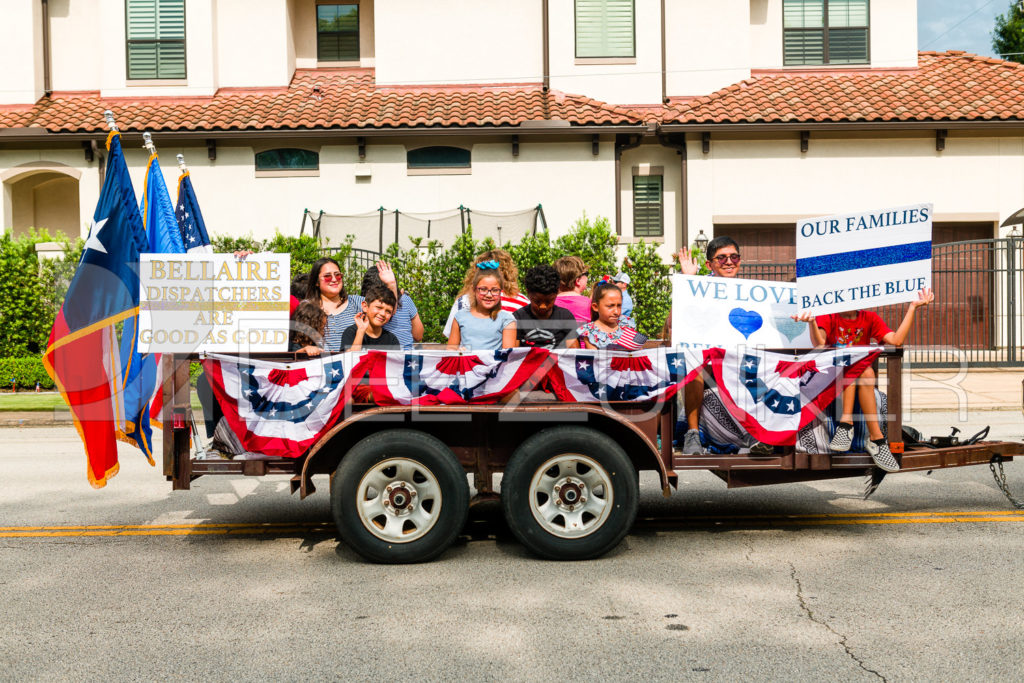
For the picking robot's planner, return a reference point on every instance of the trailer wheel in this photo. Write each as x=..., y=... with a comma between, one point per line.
x=570, y=493
x=399, y=496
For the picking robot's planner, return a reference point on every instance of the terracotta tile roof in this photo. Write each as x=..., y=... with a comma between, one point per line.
x=946, y=86
x=346, y=99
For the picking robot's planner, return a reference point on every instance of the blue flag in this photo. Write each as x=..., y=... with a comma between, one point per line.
x=190, y=218
x=140, y=370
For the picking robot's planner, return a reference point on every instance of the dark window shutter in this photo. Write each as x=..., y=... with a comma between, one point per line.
x=648, y=212
x=155, y=31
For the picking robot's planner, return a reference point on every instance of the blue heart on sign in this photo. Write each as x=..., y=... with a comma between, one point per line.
x=747, y=322
x=789, y=327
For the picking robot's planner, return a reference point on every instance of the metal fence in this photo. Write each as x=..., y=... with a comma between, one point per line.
x=977, y=315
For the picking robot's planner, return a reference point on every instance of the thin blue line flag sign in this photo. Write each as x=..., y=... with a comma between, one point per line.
x=847, y=262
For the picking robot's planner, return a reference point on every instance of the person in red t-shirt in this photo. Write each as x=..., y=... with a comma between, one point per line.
x=861, y=328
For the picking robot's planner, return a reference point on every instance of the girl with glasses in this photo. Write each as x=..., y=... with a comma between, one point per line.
x=484, y=326
x=511, y=298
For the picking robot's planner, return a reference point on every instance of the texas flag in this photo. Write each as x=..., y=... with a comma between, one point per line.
x=82, y=355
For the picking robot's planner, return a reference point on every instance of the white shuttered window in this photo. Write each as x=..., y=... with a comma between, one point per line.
x=156, y=38
x=817, y=32
x=605, y=28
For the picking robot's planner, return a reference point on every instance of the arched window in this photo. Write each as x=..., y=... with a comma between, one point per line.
x=438, y=160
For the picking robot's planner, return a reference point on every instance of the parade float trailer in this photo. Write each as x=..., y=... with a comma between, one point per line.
x=570, y=469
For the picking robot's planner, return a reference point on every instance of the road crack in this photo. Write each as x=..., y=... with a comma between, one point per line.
x=841, y=636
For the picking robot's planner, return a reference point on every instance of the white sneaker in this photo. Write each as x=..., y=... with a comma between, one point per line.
x=842, y=439
x=882, y=456
x=691, y=443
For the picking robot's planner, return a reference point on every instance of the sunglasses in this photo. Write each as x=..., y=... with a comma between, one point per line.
x=723, y=258
x=331, y=277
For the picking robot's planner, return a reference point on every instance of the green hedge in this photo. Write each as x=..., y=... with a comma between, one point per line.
x=25, y=372
x=431, y=273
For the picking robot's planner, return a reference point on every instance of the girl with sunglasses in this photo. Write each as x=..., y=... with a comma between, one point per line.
x=484, y=326
x=326, y=288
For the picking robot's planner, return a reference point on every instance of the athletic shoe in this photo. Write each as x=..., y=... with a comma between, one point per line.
x=761, y=449
x=691, y=443
x=880, y=453
x=842, y=439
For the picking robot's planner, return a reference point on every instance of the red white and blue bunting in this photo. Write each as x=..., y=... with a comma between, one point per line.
x=281, y=409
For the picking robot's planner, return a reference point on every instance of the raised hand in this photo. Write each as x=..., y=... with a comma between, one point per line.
x=924, y=297
x=687, y=261
x=387, y=275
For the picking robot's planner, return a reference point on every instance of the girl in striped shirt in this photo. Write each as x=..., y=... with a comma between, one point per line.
x=604, y=330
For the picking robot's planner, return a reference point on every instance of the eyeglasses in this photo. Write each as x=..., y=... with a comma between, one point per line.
x=722, y=258
x=484, y=291
x=585, y=273
x=330, y=277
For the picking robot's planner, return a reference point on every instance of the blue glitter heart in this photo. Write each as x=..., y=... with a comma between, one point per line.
x=789, y=327
x=747, y=322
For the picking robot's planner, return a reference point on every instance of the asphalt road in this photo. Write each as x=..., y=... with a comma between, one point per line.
x=237, y=579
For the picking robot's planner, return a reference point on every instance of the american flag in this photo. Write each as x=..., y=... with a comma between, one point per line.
x=190, y=218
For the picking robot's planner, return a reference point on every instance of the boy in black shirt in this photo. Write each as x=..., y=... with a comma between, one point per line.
x=368, y=330
x=542, y=324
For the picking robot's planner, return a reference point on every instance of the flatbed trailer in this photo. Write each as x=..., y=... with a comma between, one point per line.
x=569, y=490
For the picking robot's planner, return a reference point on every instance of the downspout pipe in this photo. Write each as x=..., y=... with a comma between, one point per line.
x=622, y=143
x=544, y=39
x=684, y=200
x=47, y=87
x=664, y=82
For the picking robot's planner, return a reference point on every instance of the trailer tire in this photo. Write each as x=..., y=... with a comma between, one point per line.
x=570, y=493
x=399, y=496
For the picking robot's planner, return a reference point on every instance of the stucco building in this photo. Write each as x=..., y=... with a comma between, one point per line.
x=670, y=117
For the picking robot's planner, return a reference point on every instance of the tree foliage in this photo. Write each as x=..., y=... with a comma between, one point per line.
x=1008, y=34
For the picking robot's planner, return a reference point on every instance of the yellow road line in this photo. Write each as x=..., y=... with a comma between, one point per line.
x=264, y=528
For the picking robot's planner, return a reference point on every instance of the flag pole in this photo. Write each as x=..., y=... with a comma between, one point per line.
x=109, y=117
x=181, y=163
x=147, y=143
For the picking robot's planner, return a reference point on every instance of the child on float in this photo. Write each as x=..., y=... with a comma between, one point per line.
x=511, y=298
x=405, y=323
x=604, y=331
x=574, y=276
x=484, y=326
x=542, y=324
x=861, y=328
x=367, y=331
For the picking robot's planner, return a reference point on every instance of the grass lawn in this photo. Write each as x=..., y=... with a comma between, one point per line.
x=31, y=401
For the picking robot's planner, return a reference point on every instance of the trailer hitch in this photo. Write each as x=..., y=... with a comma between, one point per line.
x=996, y=466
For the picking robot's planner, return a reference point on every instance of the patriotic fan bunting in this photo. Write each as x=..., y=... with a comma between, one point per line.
x=439, y=377
x=282, y=409
x=772, y=395
x=590, y=376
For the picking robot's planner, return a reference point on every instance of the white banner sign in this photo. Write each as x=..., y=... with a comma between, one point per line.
x=863, y=260
x=727, y=312
x=214, y=302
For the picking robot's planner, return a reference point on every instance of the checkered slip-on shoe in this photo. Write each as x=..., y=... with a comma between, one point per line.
x=842, y=439
x=691, y=443
x=880, y=453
